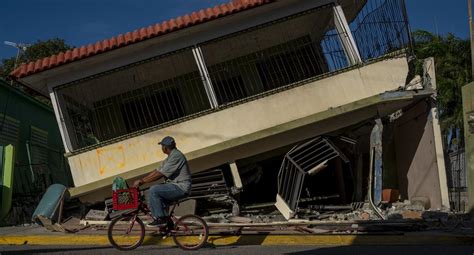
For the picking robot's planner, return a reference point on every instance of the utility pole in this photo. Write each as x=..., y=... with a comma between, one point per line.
x=21, y=47
x=471, y=29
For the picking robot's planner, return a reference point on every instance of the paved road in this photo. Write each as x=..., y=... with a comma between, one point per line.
x=250, y=249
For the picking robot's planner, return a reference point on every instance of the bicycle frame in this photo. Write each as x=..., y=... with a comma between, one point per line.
x=181, y=225
x=143, y=207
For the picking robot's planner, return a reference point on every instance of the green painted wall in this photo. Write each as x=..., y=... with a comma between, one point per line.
x=24, y=120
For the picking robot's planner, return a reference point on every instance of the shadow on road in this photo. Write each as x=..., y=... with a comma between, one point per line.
x=388, y=250
x=29, y=250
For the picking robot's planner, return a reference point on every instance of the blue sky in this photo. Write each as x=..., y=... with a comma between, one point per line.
x=82, y=22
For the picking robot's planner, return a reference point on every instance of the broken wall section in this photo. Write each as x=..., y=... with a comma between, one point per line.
x=415, y=156
x=413, y=153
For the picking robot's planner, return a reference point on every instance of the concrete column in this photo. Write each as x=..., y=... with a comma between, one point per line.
x=236, y=176
x=206, y=79
x=345, y=35
x=429, y=72
x=376, y=151
x=60, y=119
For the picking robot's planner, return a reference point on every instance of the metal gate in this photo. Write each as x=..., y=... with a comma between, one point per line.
x=307, y=158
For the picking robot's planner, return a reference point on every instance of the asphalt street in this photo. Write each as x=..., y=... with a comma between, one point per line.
x=247, y=249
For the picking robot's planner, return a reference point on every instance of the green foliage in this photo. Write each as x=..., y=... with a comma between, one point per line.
x=38, y=50
x=453, y=70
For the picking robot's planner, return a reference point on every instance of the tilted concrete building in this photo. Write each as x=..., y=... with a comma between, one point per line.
x=243, y=82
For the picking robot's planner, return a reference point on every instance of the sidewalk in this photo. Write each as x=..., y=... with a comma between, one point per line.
x=258, y=235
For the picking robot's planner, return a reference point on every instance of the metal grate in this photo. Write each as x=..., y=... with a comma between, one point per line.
x=173, y=87
x=301, y=160
x=274, y=55
x=39, y=151
x=208, y=183
x=10, y=131
x=457, y=180
x=457, y=169
x=381, y=27
x=139, y=97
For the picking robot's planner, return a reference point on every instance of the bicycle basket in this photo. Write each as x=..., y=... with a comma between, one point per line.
x=124, y=199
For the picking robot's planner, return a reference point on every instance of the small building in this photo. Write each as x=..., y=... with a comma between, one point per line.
x=30, y=126
x=241, y=84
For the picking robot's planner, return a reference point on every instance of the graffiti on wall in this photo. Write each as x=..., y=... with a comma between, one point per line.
x=110, y=159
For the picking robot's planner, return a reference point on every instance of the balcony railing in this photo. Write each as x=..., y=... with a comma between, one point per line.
x=380, y=28
x=273, y=56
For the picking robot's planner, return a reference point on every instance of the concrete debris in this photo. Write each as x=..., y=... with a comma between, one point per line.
x=411, y=215
x=421, y=201
x=51, y=226
x=364, y=216
x=216, y=218
x=239, y=219
x=96, y=215
x=415, y=83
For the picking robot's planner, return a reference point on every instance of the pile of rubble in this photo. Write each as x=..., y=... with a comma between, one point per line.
x=417, y=209
x=406, y=210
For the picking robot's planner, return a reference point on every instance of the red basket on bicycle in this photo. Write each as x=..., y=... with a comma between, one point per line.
x=124, y=199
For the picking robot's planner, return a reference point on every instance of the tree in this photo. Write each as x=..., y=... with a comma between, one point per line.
x=38, y=50
x=453, y=70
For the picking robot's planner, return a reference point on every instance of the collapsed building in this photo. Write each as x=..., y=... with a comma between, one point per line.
x=305, y=105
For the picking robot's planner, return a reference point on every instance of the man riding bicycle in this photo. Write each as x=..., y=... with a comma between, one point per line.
x=176, y=171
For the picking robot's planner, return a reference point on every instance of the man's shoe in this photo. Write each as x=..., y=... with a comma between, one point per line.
x=157, y=223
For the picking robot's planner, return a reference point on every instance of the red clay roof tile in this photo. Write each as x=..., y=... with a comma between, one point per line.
x=142, y=34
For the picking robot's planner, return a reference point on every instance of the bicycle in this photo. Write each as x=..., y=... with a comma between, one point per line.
x=127, y=231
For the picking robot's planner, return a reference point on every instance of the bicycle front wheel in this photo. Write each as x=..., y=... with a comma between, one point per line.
x=190, y=232
x=126, y=232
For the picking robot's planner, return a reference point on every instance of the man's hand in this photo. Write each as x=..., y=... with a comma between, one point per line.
x=137, y=183
x=151, y=177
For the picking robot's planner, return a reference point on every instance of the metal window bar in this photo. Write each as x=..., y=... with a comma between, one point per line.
x=274, y=55
x=298, y=162
x=209, y=183
x=163, y=89
x=457, y=179
x=380, y=28
x=139, y=97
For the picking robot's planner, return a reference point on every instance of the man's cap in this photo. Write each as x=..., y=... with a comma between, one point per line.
x=167, y=141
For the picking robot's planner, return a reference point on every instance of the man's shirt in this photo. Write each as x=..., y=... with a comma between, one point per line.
x=175, y=168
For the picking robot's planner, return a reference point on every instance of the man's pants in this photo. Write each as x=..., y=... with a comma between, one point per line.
x=161, y=195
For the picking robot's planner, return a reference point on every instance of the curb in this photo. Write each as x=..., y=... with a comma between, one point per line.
x=216, y=240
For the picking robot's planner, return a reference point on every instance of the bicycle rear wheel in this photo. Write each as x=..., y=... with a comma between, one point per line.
x=126, y=232
x=190, y=232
